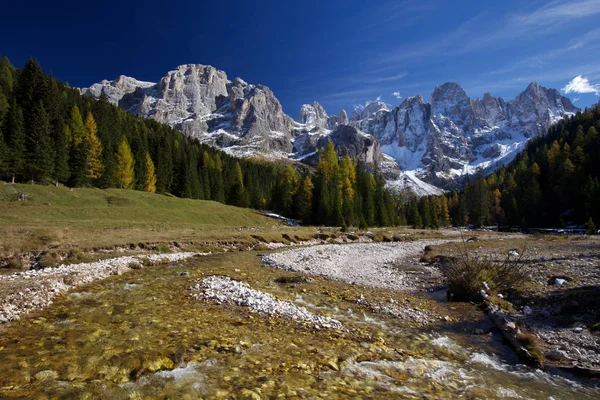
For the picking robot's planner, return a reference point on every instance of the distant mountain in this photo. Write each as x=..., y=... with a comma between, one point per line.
x=434, y=144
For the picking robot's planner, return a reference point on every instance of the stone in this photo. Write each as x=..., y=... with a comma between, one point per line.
x=557, y=355
x=46, y=375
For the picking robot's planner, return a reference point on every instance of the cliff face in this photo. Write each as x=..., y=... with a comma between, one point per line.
x=438, y=142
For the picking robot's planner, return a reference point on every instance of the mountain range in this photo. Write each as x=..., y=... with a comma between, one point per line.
x=418, y=145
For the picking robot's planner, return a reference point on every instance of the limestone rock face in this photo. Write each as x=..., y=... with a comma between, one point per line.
x=347, y=140
x=439, y=143
x=313, y=116
x=200, y=101
x=116, y=89
x=450, y=138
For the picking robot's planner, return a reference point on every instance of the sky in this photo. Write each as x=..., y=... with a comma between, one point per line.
x=341, y=53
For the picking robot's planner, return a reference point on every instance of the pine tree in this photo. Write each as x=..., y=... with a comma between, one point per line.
x=150, y=184
x=94, y=157
x=124, y=166
x=40, y=160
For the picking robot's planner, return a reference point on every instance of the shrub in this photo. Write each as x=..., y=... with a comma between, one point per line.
x=533, y=346
x=466, y=275
x=49, y=260
x=13, y=263
x=135, y=265
x=163, y=248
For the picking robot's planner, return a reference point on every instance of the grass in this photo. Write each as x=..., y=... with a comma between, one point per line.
x=57, y=223
x=89, y=218
x=533, y=346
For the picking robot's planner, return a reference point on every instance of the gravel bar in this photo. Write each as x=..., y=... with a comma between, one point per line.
x=222, y=289
x=367, y=264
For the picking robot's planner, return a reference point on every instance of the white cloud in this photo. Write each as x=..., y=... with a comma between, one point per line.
x=576, y=99
x=580, y=84
x=397, y=95
x=557, y=12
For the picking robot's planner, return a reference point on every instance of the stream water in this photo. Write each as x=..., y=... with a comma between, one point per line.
x=141, y=335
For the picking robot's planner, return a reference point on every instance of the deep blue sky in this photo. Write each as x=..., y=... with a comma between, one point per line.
x=341, y=53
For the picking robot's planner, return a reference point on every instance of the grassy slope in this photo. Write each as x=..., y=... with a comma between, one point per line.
x=93, y=217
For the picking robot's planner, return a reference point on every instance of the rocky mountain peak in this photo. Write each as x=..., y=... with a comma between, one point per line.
x=438, y=142
x=373, y=108
x=313, y=116
x=343, y=118
x=447, y=97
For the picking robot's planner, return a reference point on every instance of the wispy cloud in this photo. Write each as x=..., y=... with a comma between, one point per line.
x=397, y=95
x=539, y=22
x=589, y=40
x=557, y=12
x=580, y=84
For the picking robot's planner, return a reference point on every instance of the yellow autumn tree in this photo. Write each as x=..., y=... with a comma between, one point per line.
x=328, y=164
x=124, y=166
x=94, y=159
x=150, y=184
x=77, y=132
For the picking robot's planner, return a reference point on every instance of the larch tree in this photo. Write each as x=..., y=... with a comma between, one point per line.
x=238, y=194
x=94, y=158
x=78, y=148
x=124, y=166
x=150, y=184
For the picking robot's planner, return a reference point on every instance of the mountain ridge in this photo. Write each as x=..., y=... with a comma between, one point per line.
x=440, y=142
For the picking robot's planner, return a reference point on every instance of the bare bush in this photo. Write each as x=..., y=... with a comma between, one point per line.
x=471, y=279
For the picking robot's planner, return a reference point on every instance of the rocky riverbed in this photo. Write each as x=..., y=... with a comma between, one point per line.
x=247, y=330
x=393, y=266
x=25, y=291
x=558, y=301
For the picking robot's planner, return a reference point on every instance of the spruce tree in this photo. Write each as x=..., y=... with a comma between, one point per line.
x=40, y=160
x=124, y=166
x=61, y=152
x=15, y=139
x=3, y=155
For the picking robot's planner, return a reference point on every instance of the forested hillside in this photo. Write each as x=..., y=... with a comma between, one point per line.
x=50, y=134
x=553, y=183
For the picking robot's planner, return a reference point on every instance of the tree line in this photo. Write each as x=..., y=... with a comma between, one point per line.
x=554, y=182
x=51, y=134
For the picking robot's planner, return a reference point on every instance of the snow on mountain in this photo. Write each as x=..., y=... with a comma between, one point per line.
x=435, y=144
x=453, y=136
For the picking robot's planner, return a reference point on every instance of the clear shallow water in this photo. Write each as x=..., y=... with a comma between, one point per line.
x=140, y=335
